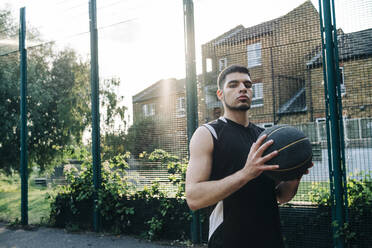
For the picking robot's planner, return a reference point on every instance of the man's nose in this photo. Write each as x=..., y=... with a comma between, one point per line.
x=242, y=87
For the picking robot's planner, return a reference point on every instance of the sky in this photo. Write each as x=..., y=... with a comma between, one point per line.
x=142, y=41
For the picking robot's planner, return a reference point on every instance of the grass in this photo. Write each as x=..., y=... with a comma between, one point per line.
x=39, y=205
x=10, y=201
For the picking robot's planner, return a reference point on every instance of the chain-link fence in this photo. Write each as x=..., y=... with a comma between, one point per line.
x=143, y=90
x=284, y=55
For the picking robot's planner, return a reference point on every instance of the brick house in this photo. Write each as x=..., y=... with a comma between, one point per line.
x=164, y=103
x=284, y=58
x=275, y=52
x=355, y=61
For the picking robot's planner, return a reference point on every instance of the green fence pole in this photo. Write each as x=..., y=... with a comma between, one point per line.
x=335, y=119
x=23, y=72
x=191, y=96
x=94, y=79
x=341, y=123
x=331, y=178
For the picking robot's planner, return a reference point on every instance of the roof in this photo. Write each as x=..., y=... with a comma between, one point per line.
x=296, y=104
x=162, y=87
x=239, y=33
x=222, y=38
x=350, y=45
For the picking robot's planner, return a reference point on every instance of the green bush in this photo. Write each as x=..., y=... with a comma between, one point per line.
x=149, y=213
x=357, y=231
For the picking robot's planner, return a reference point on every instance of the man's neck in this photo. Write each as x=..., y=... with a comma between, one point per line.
x=240, y=117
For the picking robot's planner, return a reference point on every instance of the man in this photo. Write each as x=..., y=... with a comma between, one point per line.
x=225, y=170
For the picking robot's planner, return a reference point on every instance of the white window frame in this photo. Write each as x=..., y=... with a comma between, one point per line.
x=266, y=125
x=148, y=109
x=368, y=126
x=257, y=89
x=209, y=65
x=254, y=55
x=318, y=121
x=342, y=83
x=181, y=106
x=222, y=64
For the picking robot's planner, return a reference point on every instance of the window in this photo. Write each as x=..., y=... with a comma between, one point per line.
x=366, y=128
x=222, y=63
x=342, y=83
x=148, y=109
x=321, y=128
x=254, y=54
x=265, y=125
x=320, y=120
x=257, y=99
x=209, y=64
x=352, y=129
x=181, y=106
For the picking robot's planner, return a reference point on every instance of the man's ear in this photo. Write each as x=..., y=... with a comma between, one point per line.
x=219, y=94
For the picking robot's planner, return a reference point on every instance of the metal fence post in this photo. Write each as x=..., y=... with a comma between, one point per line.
x=94, y=79
x=334, y=120
x=23, y=76
x=191, y=95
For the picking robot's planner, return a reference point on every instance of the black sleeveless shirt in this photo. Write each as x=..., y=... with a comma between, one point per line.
x=248, y=218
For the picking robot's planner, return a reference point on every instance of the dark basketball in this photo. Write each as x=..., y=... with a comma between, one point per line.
x=295, y=152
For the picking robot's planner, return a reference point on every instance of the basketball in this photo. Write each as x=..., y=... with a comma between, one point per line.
x=294, y=152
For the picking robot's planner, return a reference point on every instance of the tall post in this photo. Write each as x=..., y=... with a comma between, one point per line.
x=326, y=99
x=273, y=86
x=23, y=72
x=94, y=80
x=340, y=123
x=335, y=118
x=191, y=95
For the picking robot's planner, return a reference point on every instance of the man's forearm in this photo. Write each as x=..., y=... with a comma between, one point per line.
x=204, y=194
x=285, y=191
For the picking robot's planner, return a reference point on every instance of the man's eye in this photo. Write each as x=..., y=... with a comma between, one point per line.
x=248, y=85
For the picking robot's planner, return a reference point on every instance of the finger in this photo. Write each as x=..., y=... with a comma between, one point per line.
x=268, y=167
x=262, y=148
x=257, y=144
x=253, y=148
x=269, y=156
x=260, y=140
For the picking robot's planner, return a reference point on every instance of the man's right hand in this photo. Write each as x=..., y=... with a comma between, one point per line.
x=255, y=163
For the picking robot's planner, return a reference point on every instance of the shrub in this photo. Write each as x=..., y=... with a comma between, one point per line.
x=359, y=190
x=149, y=213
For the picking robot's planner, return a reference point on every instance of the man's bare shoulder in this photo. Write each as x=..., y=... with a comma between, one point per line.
x=202, y=132
x=201, y=139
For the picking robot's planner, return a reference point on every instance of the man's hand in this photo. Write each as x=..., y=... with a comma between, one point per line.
x=305, y=173
x=285, y=191
x=255, y=163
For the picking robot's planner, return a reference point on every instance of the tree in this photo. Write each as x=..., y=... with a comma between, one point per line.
x=58, y=103
x=113, y=122
x=140, y=137
x=57, y=100
x=113, y=112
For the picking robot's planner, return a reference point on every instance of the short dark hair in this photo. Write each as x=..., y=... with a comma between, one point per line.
x=228, y=70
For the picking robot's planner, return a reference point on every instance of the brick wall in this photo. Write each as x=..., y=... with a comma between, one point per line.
x=169, y=126
x=285, y=52
x=357, y=102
